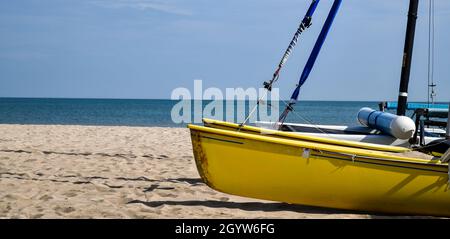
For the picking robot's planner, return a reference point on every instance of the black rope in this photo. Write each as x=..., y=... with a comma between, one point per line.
x=306, y=23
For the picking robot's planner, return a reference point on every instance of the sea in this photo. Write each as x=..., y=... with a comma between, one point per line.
x=153, y=112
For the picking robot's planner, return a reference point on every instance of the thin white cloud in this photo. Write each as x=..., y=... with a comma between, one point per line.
x=144, y=5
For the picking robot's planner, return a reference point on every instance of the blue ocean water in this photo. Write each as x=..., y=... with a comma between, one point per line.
x=151, y=112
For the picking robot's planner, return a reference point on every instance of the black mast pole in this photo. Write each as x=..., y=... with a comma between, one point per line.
x=407, y=56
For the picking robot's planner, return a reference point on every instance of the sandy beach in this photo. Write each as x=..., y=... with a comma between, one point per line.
x=49, y=171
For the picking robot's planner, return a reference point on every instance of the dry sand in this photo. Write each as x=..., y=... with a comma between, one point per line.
x=49, y=171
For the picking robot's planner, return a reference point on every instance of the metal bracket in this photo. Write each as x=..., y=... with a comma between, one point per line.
x=306, y=153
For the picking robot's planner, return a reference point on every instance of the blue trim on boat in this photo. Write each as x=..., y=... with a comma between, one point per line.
x=414, y=106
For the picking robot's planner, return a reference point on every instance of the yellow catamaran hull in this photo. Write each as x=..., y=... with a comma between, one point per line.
x=319, y=174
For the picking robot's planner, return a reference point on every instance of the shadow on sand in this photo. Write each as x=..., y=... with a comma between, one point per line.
x=246, y=206
x=269, y=207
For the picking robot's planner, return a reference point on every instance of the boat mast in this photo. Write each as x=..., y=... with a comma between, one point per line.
x=448, y=123
x=407, y=57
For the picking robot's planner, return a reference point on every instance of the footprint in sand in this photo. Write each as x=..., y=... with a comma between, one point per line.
x=7, y=208
x=39, y=209
x=64, y=210
x=70, y=194
x=45, y=198
x=37, y=216
x=224, y=199
x=175, y=210
x=30, y=160
x=169, y=195
x=156, y=186
x=187, y=157
x=189, y=191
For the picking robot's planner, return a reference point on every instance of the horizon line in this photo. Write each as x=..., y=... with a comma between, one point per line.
x=106, y=98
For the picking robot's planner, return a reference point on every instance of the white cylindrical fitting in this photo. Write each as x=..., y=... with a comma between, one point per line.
x=400, y=127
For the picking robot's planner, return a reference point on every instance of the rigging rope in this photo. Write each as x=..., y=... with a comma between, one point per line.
x=305, y=23
x=311, y=60
x=309, y=121
x=431, y=28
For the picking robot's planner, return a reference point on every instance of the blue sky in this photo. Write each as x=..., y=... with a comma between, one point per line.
x=146, y=48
